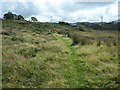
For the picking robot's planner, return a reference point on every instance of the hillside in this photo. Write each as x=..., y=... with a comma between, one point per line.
x=45, y=55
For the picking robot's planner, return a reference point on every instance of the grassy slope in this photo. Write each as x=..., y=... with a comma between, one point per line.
x=36, y=58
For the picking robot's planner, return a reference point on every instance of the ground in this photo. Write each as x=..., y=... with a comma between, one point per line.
x=49, y=59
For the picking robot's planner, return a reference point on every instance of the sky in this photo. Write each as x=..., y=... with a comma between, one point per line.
x=63, y=10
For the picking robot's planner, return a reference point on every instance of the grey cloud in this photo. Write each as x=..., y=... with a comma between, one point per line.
x=26, y=9
x=51, y=7
x=63, y=11
x=69, y=7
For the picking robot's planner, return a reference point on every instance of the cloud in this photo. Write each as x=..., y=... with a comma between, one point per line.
x=62, y=10
x=26, y=9
x=76, y=6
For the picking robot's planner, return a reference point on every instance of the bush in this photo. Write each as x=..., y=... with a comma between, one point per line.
x=62, y=32
x=77, y=39
x=99, y=43
x=82, y=28
x=108, y=43
x=5, y=33
x=84, y=41
x=115, y=43
x=64, y=23
x=37, y=42
x=17, y=39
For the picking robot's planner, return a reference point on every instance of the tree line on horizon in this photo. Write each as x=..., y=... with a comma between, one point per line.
x=96, y=26
x=12, y=16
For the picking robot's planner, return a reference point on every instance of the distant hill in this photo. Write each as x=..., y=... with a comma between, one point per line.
x=101, y=26
x=116, y=21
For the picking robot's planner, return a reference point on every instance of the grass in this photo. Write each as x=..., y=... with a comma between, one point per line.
x=41, y=55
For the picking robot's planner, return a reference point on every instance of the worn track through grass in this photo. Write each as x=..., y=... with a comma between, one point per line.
x=70, y=66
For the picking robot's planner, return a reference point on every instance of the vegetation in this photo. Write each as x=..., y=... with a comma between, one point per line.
x=9, y=15
x=48, y=55
x=82, y=28
x=34, y=19
x=63, y=23
x=12, y=16
x=103, y=26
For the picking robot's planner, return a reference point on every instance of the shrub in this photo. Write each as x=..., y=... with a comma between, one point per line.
x=62, y=32
x=115, y=43
x=82, y=28
x=75, y=38
x=64, y=23
x=17, y=39
x=59, y=32
x=84, y=41
x=5, y=33
x=108, y=43
x=99, y=43
x=37, y=42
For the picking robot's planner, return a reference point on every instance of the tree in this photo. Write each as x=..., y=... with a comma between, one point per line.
x=20, y=17
x=34, y=19
x=15, y=17
x=65, y=23
x=8, y=15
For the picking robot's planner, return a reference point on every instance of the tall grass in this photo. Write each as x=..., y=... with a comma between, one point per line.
x=36, y=56
x=79, y=39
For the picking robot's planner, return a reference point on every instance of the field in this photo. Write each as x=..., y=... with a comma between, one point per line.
x=45, y=55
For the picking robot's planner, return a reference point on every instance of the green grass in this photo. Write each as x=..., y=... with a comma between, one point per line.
x=41, y=55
